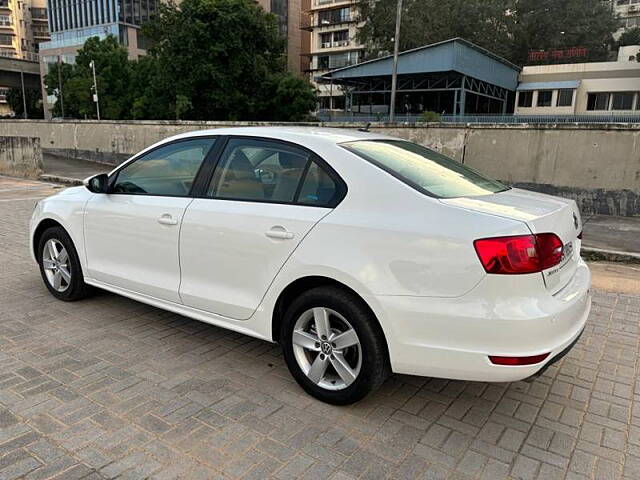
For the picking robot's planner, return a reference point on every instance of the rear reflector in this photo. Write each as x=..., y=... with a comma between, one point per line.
x=519, y=254
x=516, y=361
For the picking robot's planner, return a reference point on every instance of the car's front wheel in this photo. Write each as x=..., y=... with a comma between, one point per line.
x=334, y=346
x=60, y=266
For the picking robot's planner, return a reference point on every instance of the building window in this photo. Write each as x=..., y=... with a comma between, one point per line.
x=6, y=39
x=565, y=97
x=280, y=9
x=598, y=101
x=332, y=17
x=334, y=39
x=544, y=98
x=622, y=101
x=341, y=38
x=525, y=99
x=5, y=20
x=40, y=13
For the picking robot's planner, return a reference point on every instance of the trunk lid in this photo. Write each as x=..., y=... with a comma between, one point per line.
x=542, y=214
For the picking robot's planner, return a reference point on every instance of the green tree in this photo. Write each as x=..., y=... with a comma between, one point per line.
x=487, y=23
x=226, y=57
x=553, y=24
x=630, y=37
x=510, y=28
x=33, y=99
x=56, y=80
x=113, y=76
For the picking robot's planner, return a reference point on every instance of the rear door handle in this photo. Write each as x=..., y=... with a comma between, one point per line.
x=279, y=233
x=167, y=219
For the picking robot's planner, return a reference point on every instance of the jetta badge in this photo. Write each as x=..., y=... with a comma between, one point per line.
x=575, y=220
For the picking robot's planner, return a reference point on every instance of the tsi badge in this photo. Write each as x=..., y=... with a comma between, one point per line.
x=567, y=251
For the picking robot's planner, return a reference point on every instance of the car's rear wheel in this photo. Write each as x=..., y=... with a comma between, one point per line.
x=334, y=346
x=60, y=266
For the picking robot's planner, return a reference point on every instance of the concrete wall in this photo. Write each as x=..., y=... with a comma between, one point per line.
x=20, y=156
x=598, y=165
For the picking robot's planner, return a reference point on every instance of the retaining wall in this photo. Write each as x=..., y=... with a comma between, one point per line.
x=20, y=156
x=597, y=165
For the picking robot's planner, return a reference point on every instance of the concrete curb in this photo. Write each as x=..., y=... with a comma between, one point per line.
x=58, y=179
x=600, y=255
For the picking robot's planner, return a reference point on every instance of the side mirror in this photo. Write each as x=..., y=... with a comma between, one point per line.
x=98, y=183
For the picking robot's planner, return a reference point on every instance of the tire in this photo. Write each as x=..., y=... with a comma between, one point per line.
x=52, y=269
x=319, y=365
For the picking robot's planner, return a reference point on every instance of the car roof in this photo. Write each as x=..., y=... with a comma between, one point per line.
x=300, y=135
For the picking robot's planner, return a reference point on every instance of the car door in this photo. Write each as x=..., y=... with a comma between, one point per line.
x=264, y=197
x=131, y=233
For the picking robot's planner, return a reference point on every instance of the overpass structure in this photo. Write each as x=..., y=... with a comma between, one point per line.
x=10, y=69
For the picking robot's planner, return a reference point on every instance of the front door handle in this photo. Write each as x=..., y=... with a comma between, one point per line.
x=279, y=233
x=167, y=219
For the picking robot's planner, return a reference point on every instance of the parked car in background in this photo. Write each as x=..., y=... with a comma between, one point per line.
x=360, y=253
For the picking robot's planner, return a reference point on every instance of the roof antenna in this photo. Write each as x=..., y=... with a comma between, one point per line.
x=365, y=128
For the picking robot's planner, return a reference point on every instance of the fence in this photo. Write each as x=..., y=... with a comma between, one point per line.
x=325, y=116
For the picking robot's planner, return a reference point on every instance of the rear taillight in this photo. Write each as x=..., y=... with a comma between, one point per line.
x=519, y=254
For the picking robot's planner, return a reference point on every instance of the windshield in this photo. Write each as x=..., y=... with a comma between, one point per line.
x=425, y=170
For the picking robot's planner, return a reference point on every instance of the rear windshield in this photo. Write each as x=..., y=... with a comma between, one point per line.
x=425, y=170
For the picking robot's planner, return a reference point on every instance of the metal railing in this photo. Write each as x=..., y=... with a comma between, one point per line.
x=347, y=117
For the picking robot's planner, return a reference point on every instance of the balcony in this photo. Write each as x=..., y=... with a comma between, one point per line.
x=309, y=24
x=318, y=4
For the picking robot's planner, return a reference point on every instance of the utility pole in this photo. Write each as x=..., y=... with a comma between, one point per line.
x=24, y=95
x=394, y=73
x=60, y=86
x=95, y=88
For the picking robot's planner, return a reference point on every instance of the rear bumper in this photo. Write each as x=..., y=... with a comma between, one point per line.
x=453, y=337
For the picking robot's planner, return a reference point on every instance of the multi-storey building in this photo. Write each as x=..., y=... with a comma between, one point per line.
x=601, y=88
x=629, y=13
x=23, y=25
x=72, y=23
x=289, y=13
x=333, y=44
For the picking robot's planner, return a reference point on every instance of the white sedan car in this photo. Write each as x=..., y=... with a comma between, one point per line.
x=361, y=254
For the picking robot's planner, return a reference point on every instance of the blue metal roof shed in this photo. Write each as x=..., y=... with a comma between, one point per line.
x=453, y=77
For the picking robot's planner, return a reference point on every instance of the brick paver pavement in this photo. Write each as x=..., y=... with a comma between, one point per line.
x=109, y=387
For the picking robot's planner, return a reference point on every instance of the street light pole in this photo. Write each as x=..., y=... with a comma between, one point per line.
x=95, y=88
x=24, y=95
x=60, y=86
x=394, y=73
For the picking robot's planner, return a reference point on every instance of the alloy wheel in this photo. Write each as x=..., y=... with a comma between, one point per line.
x=55, y=261
x=327, y=348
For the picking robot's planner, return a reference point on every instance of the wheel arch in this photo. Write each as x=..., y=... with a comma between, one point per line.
x=44, y=224
x=303, y=284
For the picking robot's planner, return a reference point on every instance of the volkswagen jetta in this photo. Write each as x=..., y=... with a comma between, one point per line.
x=361, y=254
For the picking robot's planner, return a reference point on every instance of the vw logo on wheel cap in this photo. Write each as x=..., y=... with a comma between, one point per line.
x=326, y=348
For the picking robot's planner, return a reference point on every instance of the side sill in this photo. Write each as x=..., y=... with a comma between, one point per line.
x=190, y=312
